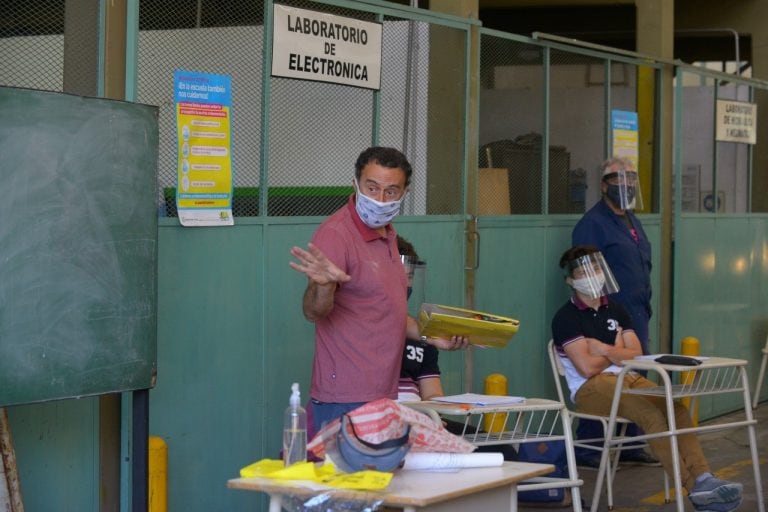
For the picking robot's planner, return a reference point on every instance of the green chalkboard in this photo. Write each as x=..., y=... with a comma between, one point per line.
x=78, y=246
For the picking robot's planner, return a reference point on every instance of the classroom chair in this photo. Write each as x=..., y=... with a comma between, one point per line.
x=761, y=375
x=597, y=444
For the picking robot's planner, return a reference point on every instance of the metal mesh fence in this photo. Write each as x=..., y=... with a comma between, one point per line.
x=512, y=106
x=714, y=174
x=578, y=128
x=528, y=88
x=206, y=37
x=32, y=45
x=315, y=130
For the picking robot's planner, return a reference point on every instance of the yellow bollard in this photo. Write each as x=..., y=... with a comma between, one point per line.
x=690, y=346
x=158, y=475
x=495, y=384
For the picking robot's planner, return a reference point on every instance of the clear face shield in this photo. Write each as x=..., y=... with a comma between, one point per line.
x=591, y=276
x=416, y=272
x=624, y=189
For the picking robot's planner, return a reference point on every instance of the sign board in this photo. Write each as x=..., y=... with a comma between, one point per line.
x=311, y=45
x=625, y=134
x=736, y=122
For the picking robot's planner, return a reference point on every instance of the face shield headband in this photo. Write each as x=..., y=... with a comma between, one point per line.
x=623, y=189
x=591, y=276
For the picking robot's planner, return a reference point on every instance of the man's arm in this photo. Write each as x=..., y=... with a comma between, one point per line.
x=590, y=356
x=430, y=387
x=626, y=346
x=324, y=277
x=318, y=300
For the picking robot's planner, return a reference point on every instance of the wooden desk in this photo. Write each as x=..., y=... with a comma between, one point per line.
x=487, y=489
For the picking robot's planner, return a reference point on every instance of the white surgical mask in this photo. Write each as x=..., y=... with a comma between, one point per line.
x=373, y=213
x=591, y=286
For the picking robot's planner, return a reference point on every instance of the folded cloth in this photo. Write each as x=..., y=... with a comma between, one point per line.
x=384, y=419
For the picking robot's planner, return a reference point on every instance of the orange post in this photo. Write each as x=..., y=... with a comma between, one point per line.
x=690, y=346
x=158, y=475
x=495, y=384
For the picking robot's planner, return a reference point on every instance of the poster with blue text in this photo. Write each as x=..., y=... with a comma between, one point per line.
x=624, y=127
x=203, y=138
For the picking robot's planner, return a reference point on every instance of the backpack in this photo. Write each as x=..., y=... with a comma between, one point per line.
x=545, y=452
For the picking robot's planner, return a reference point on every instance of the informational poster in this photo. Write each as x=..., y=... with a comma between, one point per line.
x=203, y=123
x=312, y=45
x=625, y=134
x=736, y=122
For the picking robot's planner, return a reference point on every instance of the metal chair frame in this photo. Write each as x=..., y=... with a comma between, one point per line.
x=608, y=465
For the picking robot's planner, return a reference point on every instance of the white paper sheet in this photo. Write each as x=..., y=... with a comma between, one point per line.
x=476, y=399
x=434, y=461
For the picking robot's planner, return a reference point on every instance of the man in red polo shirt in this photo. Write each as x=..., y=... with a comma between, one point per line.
x=356, y=294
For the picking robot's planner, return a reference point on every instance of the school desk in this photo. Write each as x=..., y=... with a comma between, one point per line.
x=482, y=489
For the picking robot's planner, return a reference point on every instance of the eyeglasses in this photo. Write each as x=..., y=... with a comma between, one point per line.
x=388, y=194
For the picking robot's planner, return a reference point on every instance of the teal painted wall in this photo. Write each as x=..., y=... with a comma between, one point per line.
x=232, y=338
x=57, y=455
x=721, y=291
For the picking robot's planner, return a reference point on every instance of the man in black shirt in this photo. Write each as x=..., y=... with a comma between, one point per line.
x=593, y=335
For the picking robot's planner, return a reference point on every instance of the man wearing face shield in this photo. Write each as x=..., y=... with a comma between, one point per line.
x=356, y=292
x=613, y=228
x=593, y=335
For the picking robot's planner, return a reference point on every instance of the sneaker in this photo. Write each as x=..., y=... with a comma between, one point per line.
x=638, y=458
x=719, y=507
x=713, y=494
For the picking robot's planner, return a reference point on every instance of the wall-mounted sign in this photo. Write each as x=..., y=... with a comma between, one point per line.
x=736, y=122
x=312, y=45
x=625, y=134
x=204, y=166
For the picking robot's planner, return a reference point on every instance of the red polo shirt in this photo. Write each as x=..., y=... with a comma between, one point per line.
x=359, y=345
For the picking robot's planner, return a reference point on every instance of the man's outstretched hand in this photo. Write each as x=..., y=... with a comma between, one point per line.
x=316, y=266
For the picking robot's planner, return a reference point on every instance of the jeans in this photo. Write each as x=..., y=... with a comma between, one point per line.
x=325, y=412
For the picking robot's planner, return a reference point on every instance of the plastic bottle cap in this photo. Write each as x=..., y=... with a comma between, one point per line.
x=295, y=394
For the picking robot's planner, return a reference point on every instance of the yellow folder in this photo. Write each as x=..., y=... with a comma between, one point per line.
x=482, y=328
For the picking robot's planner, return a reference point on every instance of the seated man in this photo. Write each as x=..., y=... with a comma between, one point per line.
x=420, y=372
x=592, y=335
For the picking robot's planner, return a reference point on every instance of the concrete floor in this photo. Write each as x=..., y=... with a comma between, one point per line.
x=641, y=489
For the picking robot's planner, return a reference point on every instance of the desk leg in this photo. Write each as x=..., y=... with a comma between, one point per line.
x=275, y=502
x=753, y=438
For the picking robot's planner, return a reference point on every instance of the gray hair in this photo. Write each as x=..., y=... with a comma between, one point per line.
x=620, y=160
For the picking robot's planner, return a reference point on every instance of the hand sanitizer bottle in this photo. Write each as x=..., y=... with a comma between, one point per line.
x=295, y=430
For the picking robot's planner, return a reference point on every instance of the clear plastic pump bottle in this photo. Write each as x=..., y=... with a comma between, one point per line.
x=295, y=430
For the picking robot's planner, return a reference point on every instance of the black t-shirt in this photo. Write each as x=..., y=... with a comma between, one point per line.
x=419, y=361
x=576, y=320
